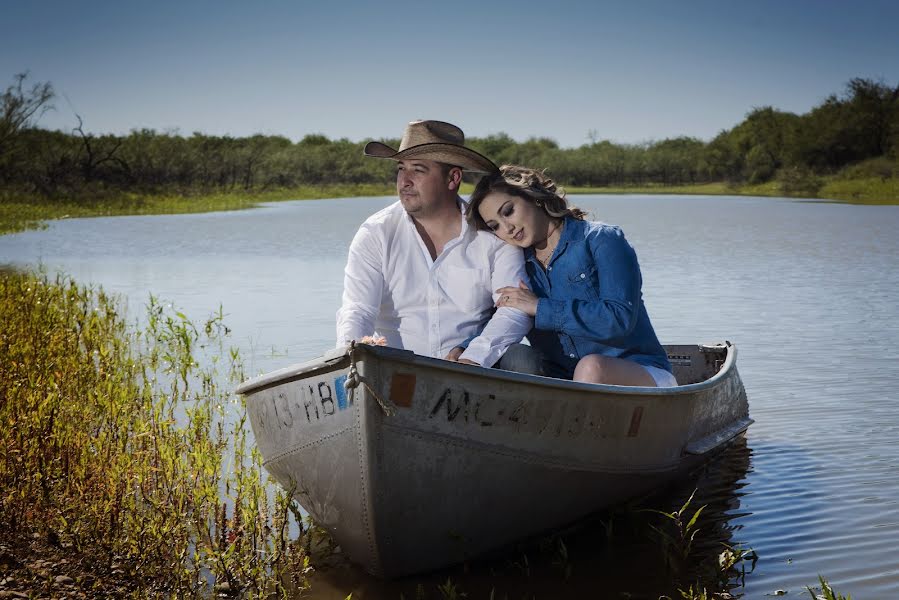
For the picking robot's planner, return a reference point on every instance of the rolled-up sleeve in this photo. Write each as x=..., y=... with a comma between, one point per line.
x=507, y=326
x=363, y=287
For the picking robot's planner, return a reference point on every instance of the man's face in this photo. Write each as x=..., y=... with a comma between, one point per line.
x=422, y=186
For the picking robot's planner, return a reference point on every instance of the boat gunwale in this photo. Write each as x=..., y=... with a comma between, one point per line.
x=336, y=356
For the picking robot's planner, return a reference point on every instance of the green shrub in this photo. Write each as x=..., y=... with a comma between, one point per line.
x=882, y=167
x=117, y=444
x=799, y=181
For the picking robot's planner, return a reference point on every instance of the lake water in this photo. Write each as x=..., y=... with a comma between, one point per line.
x=806, y=290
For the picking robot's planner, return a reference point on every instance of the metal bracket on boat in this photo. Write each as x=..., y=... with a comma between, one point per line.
x=353, y=379
x=715, y=439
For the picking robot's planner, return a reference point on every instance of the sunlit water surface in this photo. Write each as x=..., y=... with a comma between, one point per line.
x=806, y=290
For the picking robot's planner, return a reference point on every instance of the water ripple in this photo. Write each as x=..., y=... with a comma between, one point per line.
x=807, y=292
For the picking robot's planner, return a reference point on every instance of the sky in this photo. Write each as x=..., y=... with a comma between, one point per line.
x=629, y=72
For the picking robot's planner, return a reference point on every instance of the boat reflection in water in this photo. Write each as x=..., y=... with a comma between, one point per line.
x=614, y=553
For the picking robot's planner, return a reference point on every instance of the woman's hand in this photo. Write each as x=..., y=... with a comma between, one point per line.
x=521, y=298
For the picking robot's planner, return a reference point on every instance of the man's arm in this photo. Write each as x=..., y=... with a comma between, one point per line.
x=363, y=285
x=507, y=326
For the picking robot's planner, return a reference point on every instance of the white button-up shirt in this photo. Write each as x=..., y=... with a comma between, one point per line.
x=393, y=288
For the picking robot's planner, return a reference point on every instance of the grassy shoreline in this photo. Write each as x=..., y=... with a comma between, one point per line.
x=118, y=449
x=853, y=191
x=121, y=475
x=20, y=213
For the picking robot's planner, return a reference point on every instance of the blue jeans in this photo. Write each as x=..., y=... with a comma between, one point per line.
x=522, y=359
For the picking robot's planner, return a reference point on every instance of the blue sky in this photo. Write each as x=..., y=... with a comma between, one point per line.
x=630, y=71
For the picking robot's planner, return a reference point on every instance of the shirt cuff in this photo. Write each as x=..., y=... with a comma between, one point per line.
x=480, y=351
x=466, y=342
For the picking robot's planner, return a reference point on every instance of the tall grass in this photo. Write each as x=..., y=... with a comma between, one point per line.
x=868, y=190
x=21, y=212
x=827, y=592
x=116, y=443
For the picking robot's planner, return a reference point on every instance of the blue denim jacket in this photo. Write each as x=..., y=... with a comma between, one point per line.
x=590, y=299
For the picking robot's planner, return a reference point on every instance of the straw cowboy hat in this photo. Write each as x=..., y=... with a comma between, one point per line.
x=433, y=140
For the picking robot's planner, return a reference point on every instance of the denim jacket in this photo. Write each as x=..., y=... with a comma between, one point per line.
x=590, y=299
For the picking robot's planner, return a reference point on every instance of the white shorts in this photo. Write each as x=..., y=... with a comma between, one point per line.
x=662, y=377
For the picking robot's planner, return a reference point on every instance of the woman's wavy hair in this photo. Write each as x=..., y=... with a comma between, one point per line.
x=529, y=184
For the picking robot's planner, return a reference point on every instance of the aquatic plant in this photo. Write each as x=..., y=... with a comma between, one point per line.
x=680, y=535
x=677, y=533
x=449, y=591
x=119, y=446
x=827, y=592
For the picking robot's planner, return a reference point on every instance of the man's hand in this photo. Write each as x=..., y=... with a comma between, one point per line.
x=454, y=355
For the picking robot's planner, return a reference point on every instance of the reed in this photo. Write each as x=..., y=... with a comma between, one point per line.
x=691, y=548
x=118, y=446
x=677, y=532
x=827, y=592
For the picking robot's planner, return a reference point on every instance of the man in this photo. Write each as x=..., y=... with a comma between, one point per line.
x=417, y=274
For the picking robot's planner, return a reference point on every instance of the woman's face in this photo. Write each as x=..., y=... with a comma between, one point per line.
x=514, y=220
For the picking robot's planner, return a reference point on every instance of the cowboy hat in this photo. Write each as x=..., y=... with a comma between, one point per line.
x=433, y=140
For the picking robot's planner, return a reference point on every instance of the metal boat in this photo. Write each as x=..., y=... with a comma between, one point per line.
x=413, y=463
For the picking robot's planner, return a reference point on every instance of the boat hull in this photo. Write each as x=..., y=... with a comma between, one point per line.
x=419, y=463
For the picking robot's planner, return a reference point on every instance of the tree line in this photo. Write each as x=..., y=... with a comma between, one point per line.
x=859, y=126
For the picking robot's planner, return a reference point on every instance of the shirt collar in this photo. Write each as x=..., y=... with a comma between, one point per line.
x=571, y=231
x=462, y=205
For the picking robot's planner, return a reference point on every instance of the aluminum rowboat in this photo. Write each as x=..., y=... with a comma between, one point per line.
x=413, y=463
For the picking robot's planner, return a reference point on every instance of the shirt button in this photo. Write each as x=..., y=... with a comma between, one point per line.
x=549, y=268
x=583, y=276
x=571, y=356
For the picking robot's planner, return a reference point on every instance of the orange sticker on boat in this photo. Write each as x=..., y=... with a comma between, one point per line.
x=635, y=422
x=402, y=388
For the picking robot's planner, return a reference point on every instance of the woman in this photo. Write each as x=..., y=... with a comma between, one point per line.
x=585, y=283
